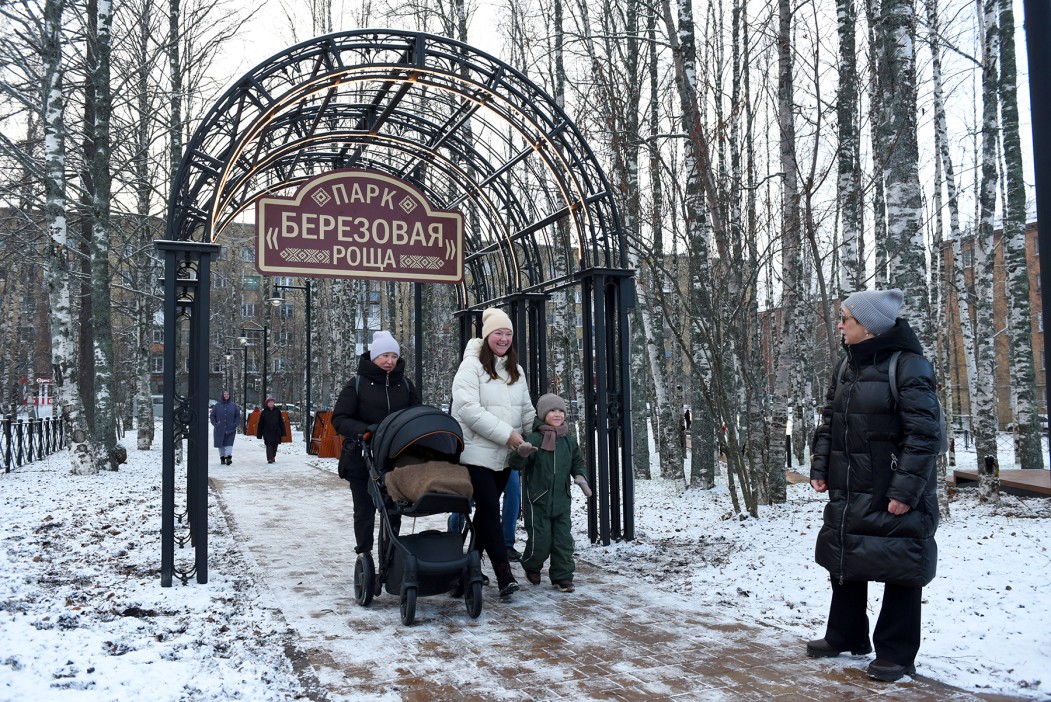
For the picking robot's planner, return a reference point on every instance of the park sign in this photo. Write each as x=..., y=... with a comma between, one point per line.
x=359, y=224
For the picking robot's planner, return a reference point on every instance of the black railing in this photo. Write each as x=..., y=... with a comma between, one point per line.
x=23, y=441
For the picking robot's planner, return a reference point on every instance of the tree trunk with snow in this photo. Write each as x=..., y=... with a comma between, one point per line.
x=59, y=273
x=101, y=277
x=848, y=156
x=905, y=234
x=1019, y=311
x=983, y=402
x=785, y=366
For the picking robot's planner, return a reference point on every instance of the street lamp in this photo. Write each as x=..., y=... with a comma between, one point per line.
x=266, y=339
x=244, y=381
x=307, y=423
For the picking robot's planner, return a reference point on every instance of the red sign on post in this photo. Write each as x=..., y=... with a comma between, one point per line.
x=359, y=224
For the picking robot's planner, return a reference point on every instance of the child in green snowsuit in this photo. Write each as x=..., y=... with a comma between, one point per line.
x=546, y=477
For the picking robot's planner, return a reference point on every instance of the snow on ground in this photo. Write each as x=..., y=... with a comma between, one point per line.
x=83, y=615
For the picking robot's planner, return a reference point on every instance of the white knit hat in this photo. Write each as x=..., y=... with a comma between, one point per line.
x=493, y=319
x=876, y=310
x=383, y=342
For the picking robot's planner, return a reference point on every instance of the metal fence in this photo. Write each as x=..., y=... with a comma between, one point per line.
x=23, y=441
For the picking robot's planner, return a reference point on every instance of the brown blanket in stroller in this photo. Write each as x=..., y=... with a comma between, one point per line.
x=409, y=482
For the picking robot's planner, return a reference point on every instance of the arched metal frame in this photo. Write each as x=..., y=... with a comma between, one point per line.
x=473, y=134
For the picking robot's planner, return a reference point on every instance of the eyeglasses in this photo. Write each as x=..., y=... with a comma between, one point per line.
x=844, y=318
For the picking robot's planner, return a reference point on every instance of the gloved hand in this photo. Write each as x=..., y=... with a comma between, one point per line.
x=582, y=483
x=526, y=449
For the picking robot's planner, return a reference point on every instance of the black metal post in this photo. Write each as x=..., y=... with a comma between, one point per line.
x=308, y=424
x=266, y=338
x=244, y=393
x=1037, y=30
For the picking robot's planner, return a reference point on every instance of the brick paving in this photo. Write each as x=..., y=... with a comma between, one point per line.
x=605, y=641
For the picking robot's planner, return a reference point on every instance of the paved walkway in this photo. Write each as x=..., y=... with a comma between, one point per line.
x=603, y=642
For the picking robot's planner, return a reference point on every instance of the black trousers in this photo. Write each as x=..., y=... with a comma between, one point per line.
x=897, y=634
x=364, y=507
x=488, y=486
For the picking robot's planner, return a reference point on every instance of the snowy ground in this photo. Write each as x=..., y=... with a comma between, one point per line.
x=84, y=616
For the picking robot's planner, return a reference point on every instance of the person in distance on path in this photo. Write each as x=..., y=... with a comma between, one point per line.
x=224, y=417
x=271, y=429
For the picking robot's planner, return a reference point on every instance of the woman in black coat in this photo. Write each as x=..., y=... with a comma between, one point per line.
x=379, y=388
x=875, y=457
x=271, y=429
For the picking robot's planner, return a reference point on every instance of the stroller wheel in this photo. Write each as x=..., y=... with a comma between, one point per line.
x=364, y=579
x=408, y=606
x=472, y=597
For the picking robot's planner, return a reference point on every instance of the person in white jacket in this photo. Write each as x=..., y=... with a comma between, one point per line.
x=492, y=404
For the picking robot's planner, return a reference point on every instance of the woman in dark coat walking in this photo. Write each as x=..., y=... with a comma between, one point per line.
x=271, y=429
x=875, y=457
x=225, y=415
x=379, y=388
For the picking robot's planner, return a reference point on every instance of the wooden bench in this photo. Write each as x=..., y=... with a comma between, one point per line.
x=1033, y=481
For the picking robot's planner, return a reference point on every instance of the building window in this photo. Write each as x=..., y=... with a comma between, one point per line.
x=254, y=336
x=158, y=336
x=247, y=255
x=220, y=281
x=286, y=310
x=283, y=280
x=253, y=365
x=967, y=257
x=217, y=366
x=248, y=309
x=284, y=338
x=279, y=365
x=156, y=363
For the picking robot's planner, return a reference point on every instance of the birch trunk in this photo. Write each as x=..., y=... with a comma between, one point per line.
x=879, y=138
x=1019, y=314
x=905, y=235
x=101, y=277
x=984, y=399
x=785, y=367
x=59, y=271
x=848, y=184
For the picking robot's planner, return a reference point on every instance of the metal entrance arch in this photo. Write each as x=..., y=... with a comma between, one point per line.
x=471, y=133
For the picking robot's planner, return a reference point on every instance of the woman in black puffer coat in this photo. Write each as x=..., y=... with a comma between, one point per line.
x=876, y=459
x=379, y=388
x=271, y=429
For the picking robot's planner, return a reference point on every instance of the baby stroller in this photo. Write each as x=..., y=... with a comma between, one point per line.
x=411, y=459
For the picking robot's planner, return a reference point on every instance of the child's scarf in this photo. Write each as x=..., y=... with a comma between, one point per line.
x=550, y=434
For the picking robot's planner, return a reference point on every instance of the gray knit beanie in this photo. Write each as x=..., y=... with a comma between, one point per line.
x=549, y=402
x=876, y=310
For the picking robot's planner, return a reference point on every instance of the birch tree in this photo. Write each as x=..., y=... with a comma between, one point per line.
x=984, y=398
x=1019, y=313
x=59, y=273
x=101, y=278
x=852, y=268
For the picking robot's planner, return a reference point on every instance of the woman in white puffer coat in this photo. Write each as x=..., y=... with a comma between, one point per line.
x=492, y=404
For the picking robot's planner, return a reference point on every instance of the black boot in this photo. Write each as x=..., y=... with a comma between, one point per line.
x=505, y=579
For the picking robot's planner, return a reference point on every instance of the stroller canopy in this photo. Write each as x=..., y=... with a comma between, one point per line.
x=422, y=429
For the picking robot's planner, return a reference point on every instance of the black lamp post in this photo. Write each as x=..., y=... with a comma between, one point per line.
x=266, y=338
x=244, y=382
x=307, y=423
